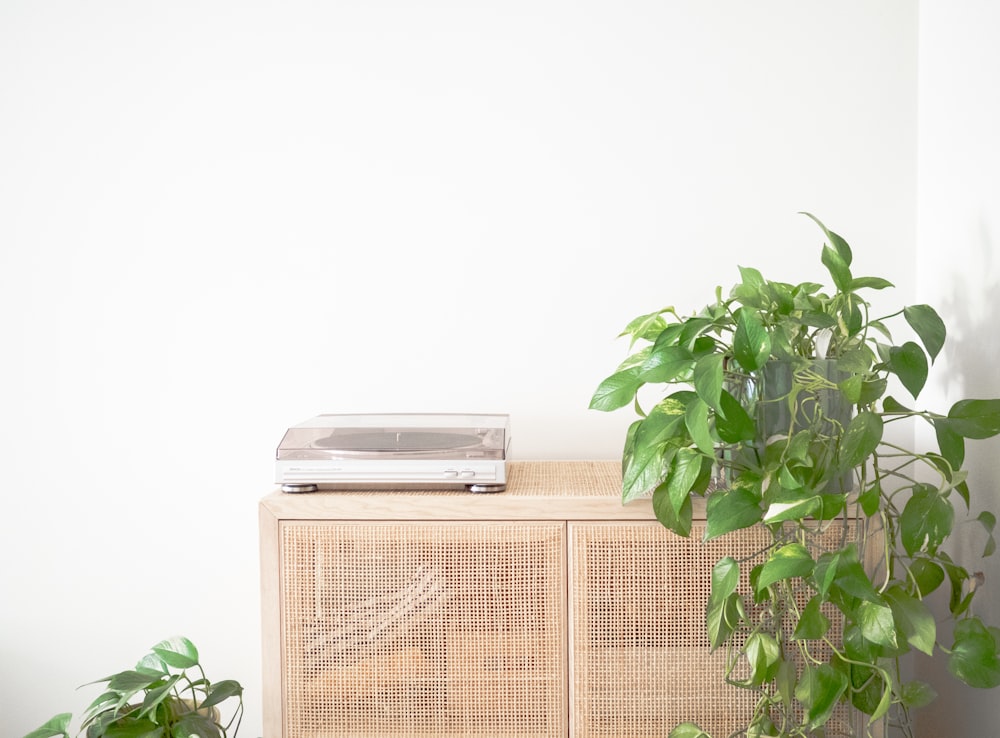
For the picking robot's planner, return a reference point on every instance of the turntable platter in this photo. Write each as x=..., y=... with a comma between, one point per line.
x=414, y=441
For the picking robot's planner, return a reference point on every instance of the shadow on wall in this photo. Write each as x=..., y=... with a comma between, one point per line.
x=973, y=352
x=972, y=308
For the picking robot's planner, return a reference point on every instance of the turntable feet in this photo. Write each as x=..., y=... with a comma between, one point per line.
x=486, y=488
x=299, y=488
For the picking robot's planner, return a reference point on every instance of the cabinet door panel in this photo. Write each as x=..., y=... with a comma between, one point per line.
x=395, y=628
x=639, y=650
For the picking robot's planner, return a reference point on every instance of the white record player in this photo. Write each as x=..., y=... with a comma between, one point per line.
x=403, y=450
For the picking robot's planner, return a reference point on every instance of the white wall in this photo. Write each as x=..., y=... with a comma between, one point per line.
x=959, y=271
x=220, y=218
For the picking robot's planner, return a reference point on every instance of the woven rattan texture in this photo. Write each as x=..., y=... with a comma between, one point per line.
x=569, y=478
x=640, y=657
x=415, y=629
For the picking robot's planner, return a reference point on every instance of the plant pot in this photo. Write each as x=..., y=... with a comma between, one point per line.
x=785, y=397
x=798, y=396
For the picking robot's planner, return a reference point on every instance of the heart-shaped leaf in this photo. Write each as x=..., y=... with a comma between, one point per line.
x=909, y=363
x=729, y=510
x=926, y=520
x=862, y=437
x=974, y=657
x=751, y=342
x=927, y=324
x=791, y=560
x=975, y=418
x=913, y=618
x=617, y=391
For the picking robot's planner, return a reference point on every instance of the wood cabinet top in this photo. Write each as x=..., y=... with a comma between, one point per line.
x=536, y=490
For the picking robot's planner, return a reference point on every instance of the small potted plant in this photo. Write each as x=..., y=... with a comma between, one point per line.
x=166, y=695
x=775, y=409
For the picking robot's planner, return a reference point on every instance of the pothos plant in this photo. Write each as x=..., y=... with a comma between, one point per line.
x=822, y=615
x=166, y=695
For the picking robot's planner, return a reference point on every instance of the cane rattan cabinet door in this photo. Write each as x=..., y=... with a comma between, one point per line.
x=423, y=628
x=639, y=650
x=639, y=655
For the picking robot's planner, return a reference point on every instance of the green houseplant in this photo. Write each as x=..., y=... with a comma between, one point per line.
x=777, y=401
x=166, y=695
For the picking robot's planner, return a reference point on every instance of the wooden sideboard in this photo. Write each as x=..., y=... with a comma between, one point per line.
x=549, y=609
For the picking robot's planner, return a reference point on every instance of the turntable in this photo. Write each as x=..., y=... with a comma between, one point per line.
x=404, y=450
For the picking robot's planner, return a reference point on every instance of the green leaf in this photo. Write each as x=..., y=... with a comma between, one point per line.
x=851, y=578
x=839, y=269
x=951, y=444
x=645, y=469
x=729, y=510
x=871, y=390
x=57, y=726
x=617, y=391
x=842, y=249
x=851, y=388
x=974, y=658
x=868, y=688
x=220, y=692
x=633, y=360
x=194, y=725
x=926, y=576
x=177, y=652
x=665, y=364
x=798, y=447
x=725, y=578
x=751, y=342
x=791, y=560
x=763, y=655
x=131, y=681
x=915, y=695
x=691, y=330
x=813, y=624
x=926, y=520
x=857, y=647
x=696, y=422
x=721, y=619
x=957, y=577
x=855, y=361
x=988, y=521
x=648, y=448
x=872, y=283
x=870, y=499
x=100, y=704
x=708, y=376
x=734, y=424
x=678, y=521
x=795, y=509
x=884, y=703
x=975, y=418
x=688, y=730
x=861, y=439
x=723, y=607
x=928, y=326
x=913, y=618
x=819, y=690
x=825, y=572
x=909, y=363
x=751, y=280
x=646, y=327
x=154, y=697
x=892, y=405
x=877, y=624
x=684, y=471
